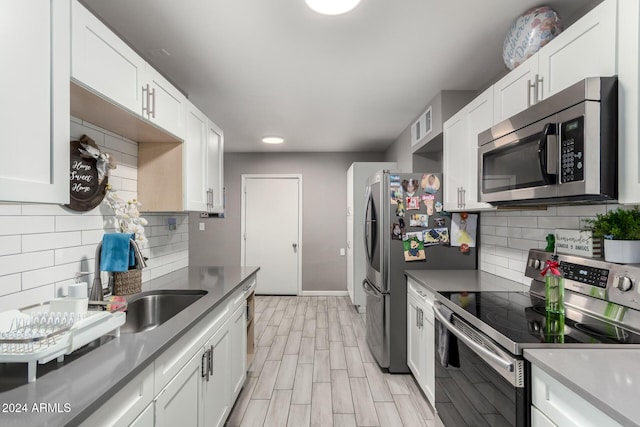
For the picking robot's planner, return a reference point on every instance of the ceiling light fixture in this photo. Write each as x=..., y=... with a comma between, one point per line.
x=332, y=7
x=272, y=139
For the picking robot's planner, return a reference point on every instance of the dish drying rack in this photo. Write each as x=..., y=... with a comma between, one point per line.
x=36, y=335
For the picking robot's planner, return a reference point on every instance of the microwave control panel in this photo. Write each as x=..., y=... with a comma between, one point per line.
x=572, y=150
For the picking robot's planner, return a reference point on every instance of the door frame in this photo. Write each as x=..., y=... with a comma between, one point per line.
x=243, y=196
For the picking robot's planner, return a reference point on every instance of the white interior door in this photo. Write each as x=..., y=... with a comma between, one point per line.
x=271, y=228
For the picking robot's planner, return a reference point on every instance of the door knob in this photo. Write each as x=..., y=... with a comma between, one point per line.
x=295, y=246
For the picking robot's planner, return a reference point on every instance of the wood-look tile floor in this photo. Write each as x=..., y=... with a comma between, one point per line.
x=312, y=367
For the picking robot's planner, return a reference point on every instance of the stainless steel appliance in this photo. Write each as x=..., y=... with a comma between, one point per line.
x=562, y=149
x=491, y=330
x=385, y=284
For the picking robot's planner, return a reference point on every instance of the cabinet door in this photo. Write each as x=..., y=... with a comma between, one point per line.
x=414, y=339
x=195, y=158
x=215, y=167
x=179, y=404
x=585, y=49
x=628, y=103
x=455, y=160
x=538, y=419
x=216, y=396
x=162, y=103
x=34, y=124
x=513, y=93
x=146, y=418
x=238, y=331
x=103, y=63
x=429, y=379
x=479, y=119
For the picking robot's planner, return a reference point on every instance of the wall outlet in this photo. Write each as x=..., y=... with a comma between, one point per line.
x=342, y=252
x=204, y=214
x=201, y=226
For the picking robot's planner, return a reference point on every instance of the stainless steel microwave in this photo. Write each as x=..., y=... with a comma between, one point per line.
x=560, y=150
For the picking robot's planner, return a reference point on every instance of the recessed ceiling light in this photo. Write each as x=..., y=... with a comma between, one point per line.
x=332, y=7
x=272, y=139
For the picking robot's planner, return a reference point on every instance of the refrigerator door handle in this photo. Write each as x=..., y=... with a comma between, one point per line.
x=369, y=289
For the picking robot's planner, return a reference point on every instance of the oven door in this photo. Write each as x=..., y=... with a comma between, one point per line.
x=487, y=389
x=520, y=165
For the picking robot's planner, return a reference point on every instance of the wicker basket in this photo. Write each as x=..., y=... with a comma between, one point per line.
x=127, y=283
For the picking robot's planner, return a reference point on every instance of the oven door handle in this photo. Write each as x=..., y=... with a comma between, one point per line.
x=503, y=363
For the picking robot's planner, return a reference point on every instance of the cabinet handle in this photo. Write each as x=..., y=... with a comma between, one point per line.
x=204, y=365
x=530, y=87
x=463, y=197
x=146, y=100
x=153, y=109
x=539, y=88
x=458, y=204
x=421, y=318
x=417, y=317
x=210, y=362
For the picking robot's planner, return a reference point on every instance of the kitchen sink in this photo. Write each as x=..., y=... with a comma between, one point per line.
x=149, y=310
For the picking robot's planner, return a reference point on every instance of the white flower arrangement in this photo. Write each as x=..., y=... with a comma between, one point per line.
x=127, y=216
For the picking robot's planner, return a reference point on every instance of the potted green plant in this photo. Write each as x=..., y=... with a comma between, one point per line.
x=620, y=230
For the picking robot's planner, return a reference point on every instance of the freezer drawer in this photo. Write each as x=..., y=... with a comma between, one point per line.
x=377, y=323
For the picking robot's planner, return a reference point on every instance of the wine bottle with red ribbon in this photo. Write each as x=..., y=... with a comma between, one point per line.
x=554, y=287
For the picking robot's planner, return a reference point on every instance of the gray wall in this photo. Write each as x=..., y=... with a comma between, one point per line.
x=400, y=151
x=324, y=227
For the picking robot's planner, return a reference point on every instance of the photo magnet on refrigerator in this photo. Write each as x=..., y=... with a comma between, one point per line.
x=410, y=186
x=413, y=203
x=413, y=247
x=419, y=220
x=430, y=183
x=397, y=231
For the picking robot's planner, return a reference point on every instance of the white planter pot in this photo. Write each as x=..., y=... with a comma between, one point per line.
x=622, y=251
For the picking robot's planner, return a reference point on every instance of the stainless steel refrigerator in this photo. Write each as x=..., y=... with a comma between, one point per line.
x=399, y=208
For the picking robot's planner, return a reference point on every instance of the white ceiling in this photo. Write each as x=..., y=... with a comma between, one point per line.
x=352, y=82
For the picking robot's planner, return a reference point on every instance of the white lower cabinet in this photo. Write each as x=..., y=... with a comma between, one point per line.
x=216, y=385
x=559, y=406
x=146, y=418
x=420, y=337
x=238, y=362
x=179, y=403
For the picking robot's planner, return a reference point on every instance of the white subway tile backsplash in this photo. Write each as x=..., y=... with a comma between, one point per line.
x=11, y=225
x=10, y=209
x=559, y=222
x=10, y=264
x=51, y=275
x=495, y=240
x=26, y=298
x=44, y=241
x=42, y=246
x=79, y=223
x=10, y=283
x=68, y=255
x=524, y=222
x=493, y=220
x=522, y=244
x=506, y=236
x=10, y=245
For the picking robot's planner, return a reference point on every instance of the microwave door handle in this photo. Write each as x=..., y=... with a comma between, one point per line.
x=549, y=129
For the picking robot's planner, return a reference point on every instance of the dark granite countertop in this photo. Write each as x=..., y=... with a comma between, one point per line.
x=87, y=381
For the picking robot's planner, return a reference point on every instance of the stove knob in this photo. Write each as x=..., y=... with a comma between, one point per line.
x=624, y=283
x=536, y=264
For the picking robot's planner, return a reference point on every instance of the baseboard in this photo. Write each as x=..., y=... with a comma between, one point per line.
x=324, y=294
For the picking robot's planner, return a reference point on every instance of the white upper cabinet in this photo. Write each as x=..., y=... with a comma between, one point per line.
x=628, y=102
x=460, y=154
x=585, y=49
x=34, y=153
x=195, y=161
x=515, y=92
x=203, y=153
x=455, y=160
x=104, y=64
x=163, y=104
x=215, y=168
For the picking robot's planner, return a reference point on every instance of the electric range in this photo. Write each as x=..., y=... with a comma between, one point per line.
x=481, y=375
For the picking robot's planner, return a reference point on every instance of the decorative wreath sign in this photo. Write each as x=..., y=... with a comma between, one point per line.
x=88, y=174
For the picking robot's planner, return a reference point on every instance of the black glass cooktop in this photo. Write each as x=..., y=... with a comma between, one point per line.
x=521, y=317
